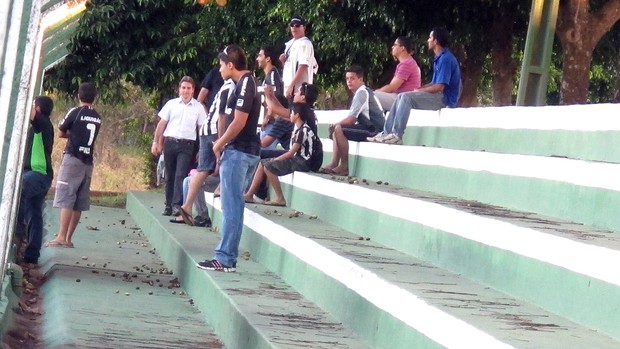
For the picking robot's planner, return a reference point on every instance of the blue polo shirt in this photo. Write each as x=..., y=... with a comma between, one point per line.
x=446, y=71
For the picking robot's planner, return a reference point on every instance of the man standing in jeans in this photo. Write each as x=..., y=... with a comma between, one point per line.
x=237, y=150
x=37, y=176
x=443, y=91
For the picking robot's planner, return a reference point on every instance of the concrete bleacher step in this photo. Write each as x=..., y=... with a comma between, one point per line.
x=252, y=308
x=566, y=268
x=94, y=296
x=589, y=132
x=392, y=299
x=581, y=191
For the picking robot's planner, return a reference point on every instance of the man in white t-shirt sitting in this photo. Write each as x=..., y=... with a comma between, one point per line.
x=365, y=119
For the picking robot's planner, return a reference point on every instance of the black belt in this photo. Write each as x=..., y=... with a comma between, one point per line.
x=180, y=140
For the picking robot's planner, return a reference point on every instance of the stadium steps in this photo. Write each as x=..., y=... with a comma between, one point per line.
x=389, y=297
x=252, y=308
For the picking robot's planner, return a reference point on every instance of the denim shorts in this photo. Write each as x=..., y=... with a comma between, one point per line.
x=206, y=156
x=280, y=129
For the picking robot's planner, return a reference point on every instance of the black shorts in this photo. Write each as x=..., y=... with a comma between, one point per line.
x=358, y=133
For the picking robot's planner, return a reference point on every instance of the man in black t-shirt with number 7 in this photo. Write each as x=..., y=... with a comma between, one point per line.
x=80, y=126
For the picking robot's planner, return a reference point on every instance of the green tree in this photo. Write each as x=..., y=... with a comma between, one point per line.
x=152, y=43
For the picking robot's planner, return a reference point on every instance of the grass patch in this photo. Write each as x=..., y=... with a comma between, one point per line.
x=114, y=200
x=100, y=198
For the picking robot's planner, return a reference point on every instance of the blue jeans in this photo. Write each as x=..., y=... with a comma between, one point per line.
x=264, y=133
x=34, y=188
x=401, y=109
x=236, y=170
x=200, y=204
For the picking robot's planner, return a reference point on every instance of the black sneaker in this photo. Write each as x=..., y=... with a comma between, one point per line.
x=214, y=264
x=167, y=211
x=200, y=221
x=176, y=211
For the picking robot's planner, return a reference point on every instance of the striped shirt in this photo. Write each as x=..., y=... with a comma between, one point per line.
x=217, y=108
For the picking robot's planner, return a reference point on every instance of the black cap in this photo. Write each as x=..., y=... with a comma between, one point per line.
x=297, y=20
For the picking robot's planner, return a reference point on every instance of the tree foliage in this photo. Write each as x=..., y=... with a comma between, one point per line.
x=152, y=43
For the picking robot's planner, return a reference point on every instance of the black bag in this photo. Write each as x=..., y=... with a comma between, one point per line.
x=316, y=159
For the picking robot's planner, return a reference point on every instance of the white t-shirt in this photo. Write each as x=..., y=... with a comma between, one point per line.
x=183, y=119
x=300, y=52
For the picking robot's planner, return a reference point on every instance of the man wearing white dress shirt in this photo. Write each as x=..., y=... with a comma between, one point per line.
x=175, y=135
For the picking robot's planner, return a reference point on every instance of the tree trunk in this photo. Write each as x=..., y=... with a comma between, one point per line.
x=503, y=67
x=575, y=74
x=579, y=31
x=616, y=97
x=471, y=69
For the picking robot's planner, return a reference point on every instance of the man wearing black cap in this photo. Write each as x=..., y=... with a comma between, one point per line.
x=298, y=58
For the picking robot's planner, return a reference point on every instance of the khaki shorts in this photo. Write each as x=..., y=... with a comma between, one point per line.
x=73, y=184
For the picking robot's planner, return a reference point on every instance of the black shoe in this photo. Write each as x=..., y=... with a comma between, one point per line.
x=176, y=211
x=167, y=211
x=31, y=260
x=200, y=221
x=217, y=266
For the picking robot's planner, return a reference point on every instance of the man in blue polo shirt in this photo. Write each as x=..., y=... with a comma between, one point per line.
x=443, y=91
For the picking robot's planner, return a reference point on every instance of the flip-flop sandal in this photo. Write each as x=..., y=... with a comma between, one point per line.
x=325, y=170
x=174, y=220
x=54, y=243
x=68, y=245
x=189, y=220
x=273, y=203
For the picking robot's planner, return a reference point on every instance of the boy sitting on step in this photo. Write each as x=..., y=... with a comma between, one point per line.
x=297, y=158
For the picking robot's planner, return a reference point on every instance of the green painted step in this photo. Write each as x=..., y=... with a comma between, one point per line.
x=97, y=294
x=567, y=268
x=581, y=191
x=395, y=300
x=588, y=132
x=252, y=308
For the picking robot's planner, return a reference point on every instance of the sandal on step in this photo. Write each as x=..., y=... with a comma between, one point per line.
x=187, y=218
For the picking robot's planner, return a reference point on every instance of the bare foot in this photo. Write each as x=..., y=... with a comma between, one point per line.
x=58, y=243
x=280, y=202
x=341, y=171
